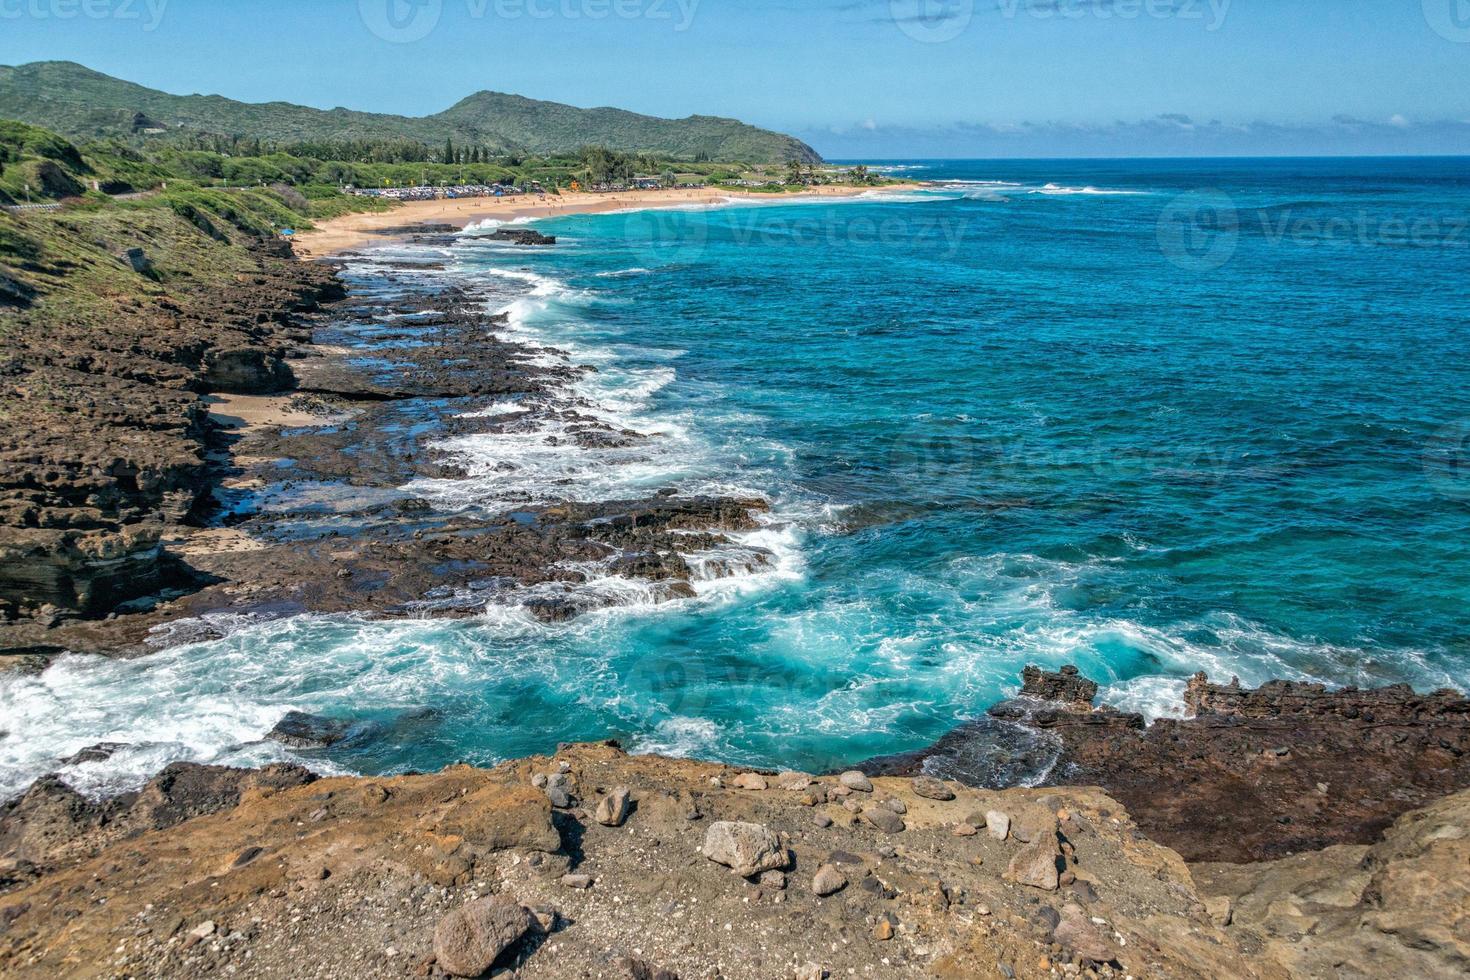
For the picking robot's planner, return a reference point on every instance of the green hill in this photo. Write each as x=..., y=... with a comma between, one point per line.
x=81, y=103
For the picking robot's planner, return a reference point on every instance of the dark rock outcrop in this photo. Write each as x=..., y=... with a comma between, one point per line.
x=522, y=236
x=106, y=441
x=303, y=731
x=1254, y=774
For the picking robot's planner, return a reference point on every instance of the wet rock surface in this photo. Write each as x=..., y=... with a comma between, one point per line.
x=1255, y=774
x=106, y=438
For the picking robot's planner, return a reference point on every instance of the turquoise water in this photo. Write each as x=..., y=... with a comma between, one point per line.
x=1146, y=417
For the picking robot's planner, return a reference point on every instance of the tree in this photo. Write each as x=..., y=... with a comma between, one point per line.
x=448, y=151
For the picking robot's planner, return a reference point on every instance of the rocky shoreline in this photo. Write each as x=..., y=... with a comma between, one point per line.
x=1282, y=831
x=593, y=863
x=202, y=514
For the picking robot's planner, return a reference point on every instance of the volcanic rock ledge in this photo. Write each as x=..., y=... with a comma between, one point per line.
x=279, y=875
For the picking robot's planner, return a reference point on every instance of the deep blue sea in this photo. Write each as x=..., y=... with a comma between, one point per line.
x=1148, y=417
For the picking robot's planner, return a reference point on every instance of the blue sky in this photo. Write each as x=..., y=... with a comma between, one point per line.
x=856, y=78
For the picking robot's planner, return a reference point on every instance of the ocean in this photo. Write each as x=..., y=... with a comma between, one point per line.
x=1147, y=417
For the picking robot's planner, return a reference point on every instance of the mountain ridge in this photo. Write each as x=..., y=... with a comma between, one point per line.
x=80, y=102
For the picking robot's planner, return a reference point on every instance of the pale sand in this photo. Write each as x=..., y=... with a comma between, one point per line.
x=355, y=230
x=244, y=412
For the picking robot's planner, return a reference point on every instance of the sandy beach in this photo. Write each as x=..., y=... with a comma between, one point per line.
x=354, y=230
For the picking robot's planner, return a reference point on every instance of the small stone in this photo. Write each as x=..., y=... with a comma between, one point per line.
x=965, y=830
x=563, y=768
x=932, y=789
x=822, y=820
x=1220, y=910
x=888, y=851
x=203, y=930
x=884, y=819
x=855, y=781
x=852, y=806
x=716, y=782
x=749, y=780
x=773, y=879
x=1084, y=891
x=539, y=780
x=468, y=940
x=745, y=848
x=883, y=931
x=577, y=881
x=1066, y=878
x=612, y=809
x=894, y=804
x=810, y=971
x=998, y=823
x=828, y=881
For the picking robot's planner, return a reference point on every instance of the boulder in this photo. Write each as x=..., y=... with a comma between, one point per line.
x=828, y=881
x=794, y=781
x=745, y=848
x=613, y=808
x=749, y=780
x=932, y=789
x=998, y=823
x=1077, y=933
x=884, y=819
x=559, y=788
x=855, y=781
x=468, y=940
x=1036, y=865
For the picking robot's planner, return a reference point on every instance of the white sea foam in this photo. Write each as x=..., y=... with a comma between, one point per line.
x=489, y=225
x=1058, y=190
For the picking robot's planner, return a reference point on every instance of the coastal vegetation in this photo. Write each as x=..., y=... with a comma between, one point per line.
x=84, y=104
